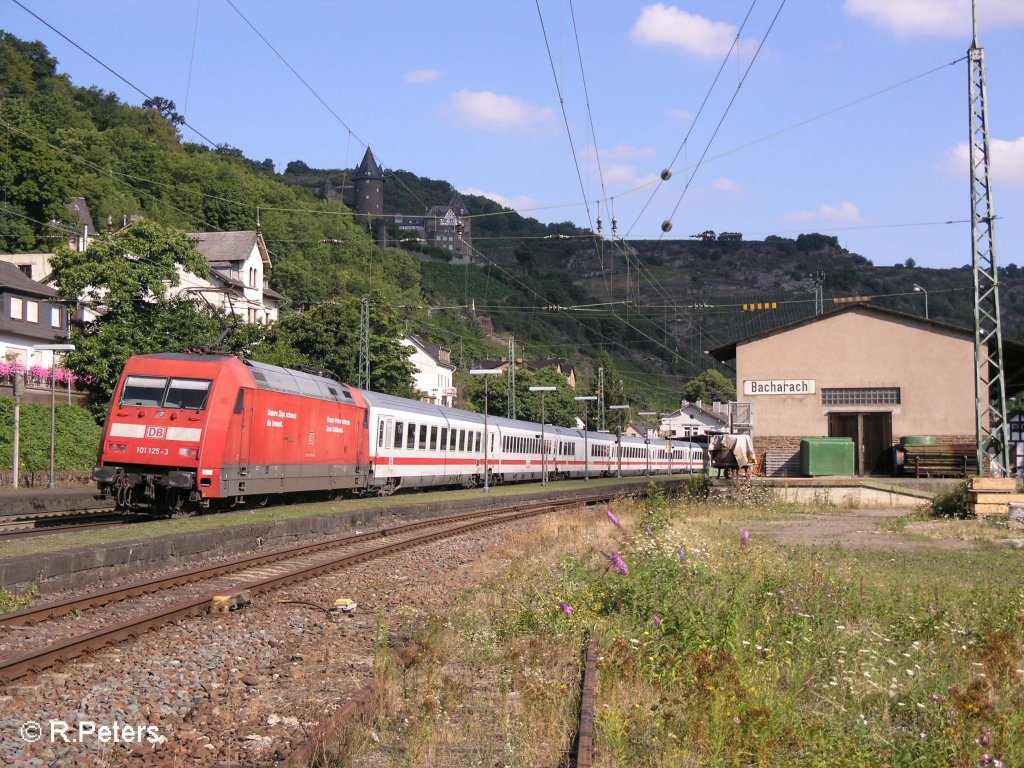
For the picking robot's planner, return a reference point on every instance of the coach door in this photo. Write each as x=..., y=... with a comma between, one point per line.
x=872, y=439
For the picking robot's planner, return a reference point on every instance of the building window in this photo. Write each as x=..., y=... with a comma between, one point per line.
x=55, y=317
x=32, y=312
x=860, y=396
x=26, y=270
x=17, y=308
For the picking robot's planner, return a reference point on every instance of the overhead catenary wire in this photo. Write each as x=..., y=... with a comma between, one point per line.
x=728, y=108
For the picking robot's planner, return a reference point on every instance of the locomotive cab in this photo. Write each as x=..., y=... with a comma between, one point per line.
x=154, y=436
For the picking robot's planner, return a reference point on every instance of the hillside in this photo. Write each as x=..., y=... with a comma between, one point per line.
x=645, y=311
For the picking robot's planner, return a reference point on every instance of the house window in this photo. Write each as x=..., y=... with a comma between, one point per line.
x=26, y=269
x=32, y=312
x=55, y=320
x=17, y=308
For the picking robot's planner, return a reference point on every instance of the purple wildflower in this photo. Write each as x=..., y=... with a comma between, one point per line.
x=614, y=519
x=937, y=698
x=782, y=593
x=682, y=554
x=746, y=537
x=649, y=531
x=657, y=620
x=566, y=609
x=618, y=563
x=985, y=739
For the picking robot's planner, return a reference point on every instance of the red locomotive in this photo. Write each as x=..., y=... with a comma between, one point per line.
x=189, y=431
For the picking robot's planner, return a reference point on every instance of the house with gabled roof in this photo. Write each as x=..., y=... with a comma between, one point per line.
x=434, y=369
x=694, y=420
x=237, y=283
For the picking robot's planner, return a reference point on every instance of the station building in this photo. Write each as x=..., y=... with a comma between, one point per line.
x=864, y=372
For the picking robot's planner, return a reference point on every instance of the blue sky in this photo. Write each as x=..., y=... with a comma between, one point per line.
x=837, y=128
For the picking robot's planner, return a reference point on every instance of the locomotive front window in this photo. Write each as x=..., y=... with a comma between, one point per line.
x=190, y=394
x=143, y=390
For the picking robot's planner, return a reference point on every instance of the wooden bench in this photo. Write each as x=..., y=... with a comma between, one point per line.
x=954, y=460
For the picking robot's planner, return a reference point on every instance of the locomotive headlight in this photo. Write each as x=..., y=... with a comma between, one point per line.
x=192, y=453
x=117, y=447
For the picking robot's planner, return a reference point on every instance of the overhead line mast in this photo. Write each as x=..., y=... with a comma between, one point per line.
x=991, y=425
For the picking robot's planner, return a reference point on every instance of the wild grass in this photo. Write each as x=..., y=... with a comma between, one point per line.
x=721, y=649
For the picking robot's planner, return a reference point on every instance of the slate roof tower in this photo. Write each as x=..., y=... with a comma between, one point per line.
x=369, y=188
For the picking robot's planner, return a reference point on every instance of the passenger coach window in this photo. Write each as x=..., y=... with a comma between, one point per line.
x=444, y=438
x=423, y=437
x=433, y=438
x=410, y=437
x=477, y=443
x=187, y=393
x=399, y=431
x=143, y=390
x=380, y=433
x=462, y=439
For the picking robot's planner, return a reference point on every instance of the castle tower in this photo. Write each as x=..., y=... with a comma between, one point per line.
x=369, y=188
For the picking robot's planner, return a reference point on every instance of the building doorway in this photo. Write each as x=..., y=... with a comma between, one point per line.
x=872, y=439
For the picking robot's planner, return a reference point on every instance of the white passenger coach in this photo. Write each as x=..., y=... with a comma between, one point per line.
x=414, y=444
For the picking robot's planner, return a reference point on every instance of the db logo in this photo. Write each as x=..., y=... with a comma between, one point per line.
x=157, y=432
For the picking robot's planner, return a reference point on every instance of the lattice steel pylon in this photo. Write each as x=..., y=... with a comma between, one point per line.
x=991, y=426
x=364, y=343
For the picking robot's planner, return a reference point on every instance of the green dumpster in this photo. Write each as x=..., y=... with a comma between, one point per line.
x=826, y=456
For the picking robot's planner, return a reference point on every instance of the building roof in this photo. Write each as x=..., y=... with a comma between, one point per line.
x=13, y=280
x=1013, y=353
x=80, y=210
x=230, y=246
x=368, y=169
x=436, y=352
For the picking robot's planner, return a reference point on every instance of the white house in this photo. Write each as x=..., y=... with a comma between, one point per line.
x=694, y=419
x=237, y=283
x=433, y=377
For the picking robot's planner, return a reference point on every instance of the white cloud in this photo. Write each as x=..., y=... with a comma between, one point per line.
x=1007, y=164
x=722, y=184
x=935, y=17
x=418, y=76
x=669, y=26
x=520, y=204
x=493, y=112
x=844, y=213
x=682, y=115
x=619, y=165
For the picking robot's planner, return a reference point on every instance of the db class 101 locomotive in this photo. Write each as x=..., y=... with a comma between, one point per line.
x=194, y=432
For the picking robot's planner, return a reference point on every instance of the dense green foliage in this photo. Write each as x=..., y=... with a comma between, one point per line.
x=78, y=439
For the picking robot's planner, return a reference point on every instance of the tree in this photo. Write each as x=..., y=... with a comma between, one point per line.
x=327, y=337
x=559, y=406
x=166, y=108
x=709, y=387
x=125, y=276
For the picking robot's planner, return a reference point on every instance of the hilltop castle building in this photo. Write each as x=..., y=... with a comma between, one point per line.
x=442, y=226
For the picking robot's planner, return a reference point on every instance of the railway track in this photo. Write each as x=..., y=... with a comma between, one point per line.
x=50, y=640
x=51, y=521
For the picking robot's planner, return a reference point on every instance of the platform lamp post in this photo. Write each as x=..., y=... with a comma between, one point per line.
x=919, y=289
x=53, y=348
x=485, y=372
x=647, y=439
x=618, y=433
x=585, y=399
x=543, y=446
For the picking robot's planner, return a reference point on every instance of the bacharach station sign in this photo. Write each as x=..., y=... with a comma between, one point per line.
x=779, y=387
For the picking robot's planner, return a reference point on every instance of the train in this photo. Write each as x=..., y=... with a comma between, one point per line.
x=191, y=433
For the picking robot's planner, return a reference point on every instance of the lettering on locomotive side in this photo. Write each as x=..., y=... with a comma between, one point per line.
x=275, y=418
x=334, y=424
